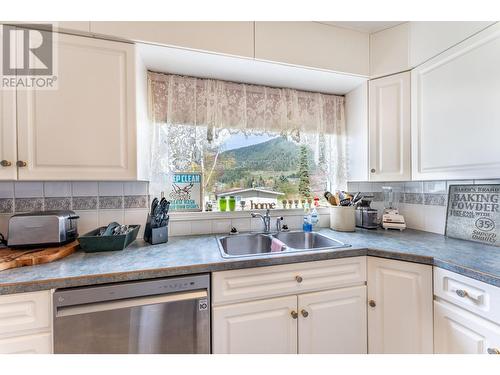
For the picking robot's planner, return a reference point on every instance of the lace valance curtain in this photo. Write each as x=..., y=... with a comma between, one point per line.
x=208, y=107
x=221, y=104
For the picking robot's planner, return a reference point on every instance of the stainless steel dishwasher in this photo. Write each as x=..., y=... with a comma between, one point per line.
x=170, y=315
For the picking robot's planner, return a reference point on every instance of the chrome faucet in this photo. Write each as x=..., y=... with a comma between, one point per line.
x=266, y=219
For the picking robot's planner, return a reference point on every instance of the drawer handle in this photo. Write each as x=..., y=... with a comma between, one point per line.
x=372, y=303
x=493, y=351
x=461, y=293
x=5, y=163
x=304, y=313
x=294, y=314
x=21, y=164
x=299, y=279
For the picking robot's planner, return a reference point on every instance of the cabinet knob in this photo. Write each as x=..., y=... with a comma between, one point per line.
x=294, y=314
x=298, y=279
x=5, y=163
x=372, y=170
x=372, y=303
x=21, y=163
x=461, y=293
x=493, y=351
x=304, y=313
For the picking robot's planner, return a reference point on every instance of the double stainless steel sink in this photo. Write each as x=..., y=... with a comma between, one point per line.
x=252, y=244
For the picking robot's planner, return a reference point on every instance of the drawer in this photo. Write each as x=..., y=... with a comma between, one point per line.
x=457, y=331
x=40, y=343
x=473, y=295
x=271, y=281
x=24, y=311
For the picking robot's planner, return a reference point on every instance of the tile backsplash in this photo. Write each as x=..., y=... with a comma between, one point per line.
x=423, y=203
x=97, y=203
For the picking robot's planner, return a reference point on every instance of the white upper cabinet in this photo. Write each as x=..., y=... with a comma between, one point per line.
x=430, y=38
x=399, y=307
x=313, y=44
x=233, y=38
x=356, y=120
x=8, y=147
x=389, y=128
x=410, y=44
x=455, y=111
x=87, y=128
x=77, y=26
x=389, y=50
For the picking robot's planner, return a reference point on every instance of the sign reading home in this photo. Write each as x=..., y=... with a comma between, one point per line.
x=474, y=213
x=185, y=192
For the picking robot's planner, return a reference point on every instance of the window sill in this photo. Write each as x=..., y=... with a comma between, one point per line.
x=213, y=215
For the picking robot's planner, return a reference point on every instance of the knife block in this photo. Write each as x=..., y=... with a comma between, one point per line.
x=155, y=236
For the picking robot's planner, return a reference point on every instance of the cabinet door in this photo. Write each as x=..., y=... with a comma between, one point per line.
x=39, y=343
x=400, y=307
x=265, y=327
x=85, y=128
x=8, y=145
x=457, y=331
x=201, y=35
x=389, y=128
x=455, y=111
x=314, y=45
x=333, y=321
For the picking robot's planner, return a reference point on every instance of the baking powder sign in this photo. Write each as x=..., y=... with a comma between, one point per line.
x=474, y=213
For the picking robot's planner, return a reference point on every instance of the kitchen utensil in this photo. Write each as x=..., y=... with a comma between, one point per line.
x=110, y=229
x=156, y=230
x=13, y=258
x=342, y=218
x=94, y=242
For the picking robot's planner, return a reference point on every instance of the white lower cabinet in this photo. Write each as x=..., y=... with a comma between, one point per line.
x=333, y=321
x=265, y=327
x=466, y=315
x=322, y=308
x=25, y=323
x=457, y=331
x=399, y=307
x=40, y=343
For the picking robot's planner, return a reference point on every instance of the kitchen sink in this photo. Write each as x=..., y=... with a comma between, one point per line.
x=245, y=244
x=252, y=244
x=307, y=240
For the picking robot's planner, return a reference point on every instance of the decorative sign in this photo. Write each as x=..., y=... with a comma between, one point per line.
x=474, y=213
x=185, y=192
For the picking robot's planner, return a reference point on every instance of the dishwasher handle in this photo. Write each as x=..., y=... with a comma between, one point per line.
x=129, y=302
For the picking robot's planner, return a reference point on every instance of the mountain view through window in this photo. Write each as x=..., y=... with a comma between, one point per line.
x=252, y=167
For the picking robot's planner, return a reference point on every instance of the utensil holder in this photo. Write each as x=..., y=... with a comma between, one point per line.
x=343, y=218
x=91, y=242
x=155, y=235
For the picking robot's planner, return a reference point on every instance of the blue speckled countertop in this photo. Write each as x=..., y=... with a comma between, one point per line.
x=197, y=254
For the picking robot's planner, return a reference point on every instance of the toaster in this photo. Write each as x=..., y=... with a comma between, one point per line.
x=44, y=228
x=366, y=217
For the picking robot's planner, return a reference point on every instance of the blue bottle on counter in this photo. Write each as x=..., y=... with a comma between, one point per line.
x=307, y=225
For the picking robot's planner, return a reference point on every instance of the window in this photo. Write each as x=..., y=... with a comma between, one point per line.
x=256, y=147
